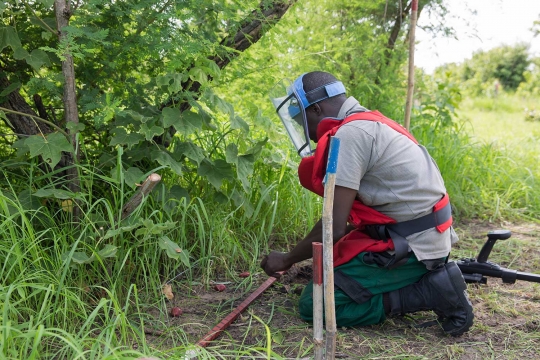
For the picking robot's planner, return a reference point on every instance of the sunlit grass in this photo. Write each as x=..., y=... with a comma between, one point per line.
x=501, y=121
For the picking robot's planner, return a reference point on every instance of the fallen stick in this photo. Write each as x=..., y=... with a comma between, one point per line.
x=146, y=187
x=229, y=319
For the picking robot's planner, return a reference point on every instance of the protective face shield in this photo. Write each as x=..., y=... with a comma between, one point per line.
x=291, y=102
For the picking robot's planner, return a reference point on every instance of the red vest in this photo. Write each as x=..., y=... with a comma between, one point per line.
x=312, y=170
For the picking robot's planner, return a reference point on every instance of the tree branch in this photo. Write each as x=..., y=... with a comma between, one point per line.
x=38, y=119
x=39, y=19
x=251, y=30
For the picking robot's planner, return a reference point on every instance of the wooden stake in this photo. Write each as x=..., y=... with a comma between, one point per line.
x=410, y=85
x=318, y=299
x=328, y=249
x=147, y=186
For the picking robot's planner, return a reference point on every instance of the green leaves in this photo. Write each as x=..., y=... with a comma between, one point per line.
x=238, y=123
x=9, y=37
x=37, y=58
x=108, y=251
x=244, y=163
x=75, y=127
x=216, y=171
x=50, y=147
x=165, y=159
x=173, y=250
x=150, y=132
x=55, y=193
x=47, y=3
x=185, y=123
x=132, y=176
x=191, y=151
x=121, y=137
x=197, y=74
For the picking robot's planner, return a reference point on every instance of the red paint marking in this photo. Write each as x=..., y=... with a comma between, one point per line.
x=229, y=319
x=414, y=5
x=317, y=263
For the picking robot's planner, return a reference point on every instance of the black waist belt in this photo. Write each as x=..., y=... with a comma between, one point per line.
x=399, y=231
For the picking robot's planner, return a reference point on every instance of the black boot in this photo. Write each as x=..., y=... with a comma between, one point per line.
x=442, y=290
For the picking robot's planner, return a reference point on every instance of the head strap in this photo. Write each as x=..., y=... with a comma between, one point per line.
x=321, y=93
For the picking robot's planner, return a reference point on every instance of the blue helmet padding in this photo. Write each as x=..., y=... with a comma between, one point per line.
x=294, y=110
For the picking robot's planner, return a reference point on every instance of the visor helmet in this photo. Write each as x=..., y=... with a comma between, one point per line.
x=291, y=102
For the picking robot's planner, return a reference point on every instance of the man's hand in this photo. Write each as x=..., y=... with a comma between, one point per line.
x=274, y=262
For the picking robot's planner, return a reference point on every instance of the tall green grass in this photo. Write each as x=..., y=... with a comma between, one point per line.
x=55, y=304
x=489, y=159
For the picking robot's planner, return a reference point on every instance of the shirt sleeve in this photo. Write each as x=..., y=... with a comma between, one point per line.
x=355, y=155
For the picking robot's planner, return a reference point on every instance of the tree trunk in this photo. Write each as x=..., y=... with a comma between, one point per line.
x=20, y=124
x=63, y=13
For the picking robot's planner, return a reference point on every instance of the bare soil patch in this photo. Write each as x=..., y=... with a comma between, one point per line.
x=507, y=316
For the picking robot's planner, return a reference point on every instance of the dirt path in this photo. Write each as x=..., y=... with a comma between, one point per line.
x=507, y=317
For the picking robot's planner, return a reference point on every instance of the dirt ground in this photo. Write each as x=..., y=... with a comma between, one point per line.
x=507, y=316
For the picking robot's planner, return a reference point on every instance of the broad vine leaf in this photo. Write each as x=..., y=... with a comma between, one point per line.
x=240, y=200
x=197, y=74
x=47, y=3
x=231, y=153
x=75, y=127
x=185, y=123
x=163, y=80
x=10, y=89
x=149, y=228
x=176, y=85
x=165, y=159
x=191, y=151
x=173, y=250
x=55, y=193
x=244, y=168
x=170, y=116
x=172, y=86
x=20, y=53
x=121, y=137
x=257, y=148
x=81, y=258
x=120, y=230
x=151, y=132
x=215, y=172
x=49, y=147
x=37, y=58
x=132, y=176
x=128, y=117
x=9, y=37
x=238, y=123
x=108, y=251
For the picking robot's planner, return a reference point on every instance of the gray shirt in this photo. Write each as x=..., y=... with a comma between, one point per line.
x=393, y=175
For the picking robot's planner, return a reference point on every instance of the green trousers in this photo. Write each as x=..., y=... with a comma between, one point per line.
x=372, y=277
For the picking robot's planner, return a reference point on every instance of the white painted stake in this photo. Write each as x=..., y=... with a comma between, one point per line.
x=318, y=300
x=328, y=249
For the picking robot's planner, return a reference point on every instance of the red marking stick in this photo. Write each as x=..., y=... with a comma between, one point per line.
x=218, y=329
